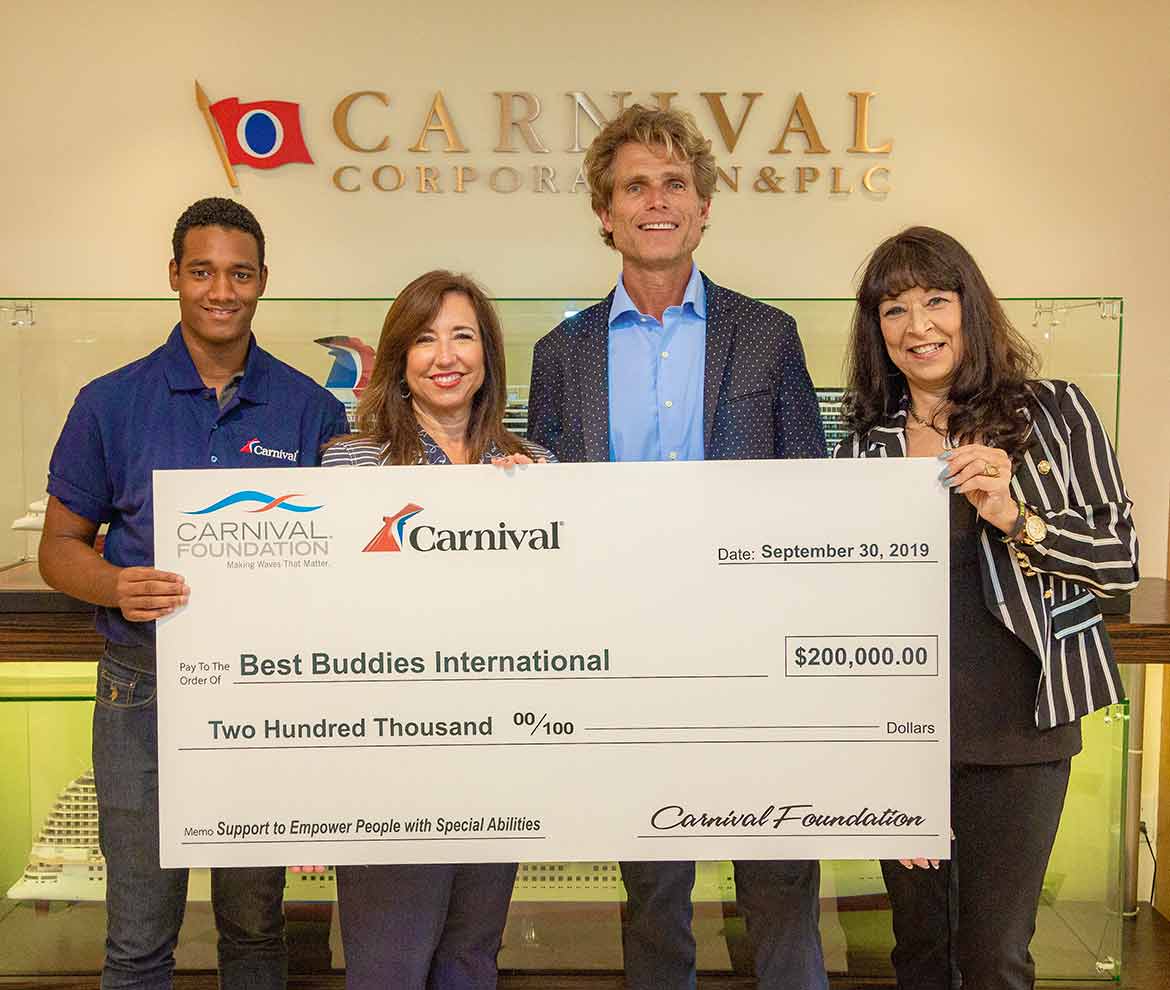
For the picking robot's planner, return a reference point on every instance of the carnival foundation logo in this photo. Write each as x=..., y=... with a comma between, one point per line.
x=253, y=543
x=267, y=503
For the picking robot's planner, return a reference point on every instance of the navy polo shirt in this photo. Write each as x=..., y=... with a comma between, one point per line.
x=157, y=414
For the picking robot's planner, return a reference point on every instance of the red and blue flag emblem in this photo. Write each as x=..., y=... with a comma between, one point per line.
x=264, y=135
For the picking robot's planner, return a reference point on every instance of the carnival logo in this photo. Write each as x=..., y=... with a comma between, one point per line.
x=353, y=362
x=389, y=537
x=254, y=446
x=744, y=128
x=266, y=134
x=267, y=503
x=394, y=536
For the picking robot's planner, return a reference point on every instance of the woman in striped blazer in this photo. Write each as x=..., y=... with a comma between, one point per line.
x=1040, y=527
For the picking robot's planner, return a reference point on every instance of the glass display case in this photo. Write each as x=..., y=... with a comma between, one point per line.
x=565, y=916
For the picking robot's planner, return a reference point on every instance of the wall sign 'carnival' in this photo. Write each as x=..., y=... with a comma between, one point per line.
x=367, y=158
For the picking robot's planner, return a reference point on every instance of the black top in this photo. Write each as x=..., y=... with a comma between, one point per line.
x=994, y=676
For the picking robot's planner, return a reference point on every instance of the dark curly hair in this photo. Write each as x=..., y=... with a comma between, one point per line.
x=215, y=211
x=989, y=388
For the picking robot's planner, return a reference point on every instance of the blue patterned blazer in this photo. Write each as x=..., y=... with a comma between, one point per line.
x=758, y=399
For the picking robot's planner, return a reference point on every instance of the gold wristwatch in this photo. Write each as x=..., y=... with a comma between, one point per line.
x=1030, y=528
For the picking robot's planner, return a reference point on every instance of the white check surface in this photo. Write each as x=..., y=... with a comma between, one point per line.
x=737, y=659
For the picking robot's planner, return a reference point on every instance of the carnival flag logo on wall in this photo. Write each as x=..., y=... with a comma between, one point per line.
x=266, y=134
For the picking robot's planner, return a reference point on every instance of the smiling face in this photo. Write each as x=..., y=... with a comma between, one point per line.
x=923, y=333
x=445, y=364
x=655, y=214
x=219, y=282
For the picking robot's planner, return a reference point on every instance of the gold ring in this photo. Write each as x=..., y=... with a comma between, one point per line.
x=990, y=470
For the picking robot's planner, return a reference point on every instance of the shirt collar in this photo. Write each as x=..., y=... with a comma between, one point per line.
x=694, y=299
x=182, y=377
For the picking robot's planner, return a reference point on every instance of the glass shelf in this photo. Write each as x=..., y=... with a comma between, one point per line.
x=71, y=341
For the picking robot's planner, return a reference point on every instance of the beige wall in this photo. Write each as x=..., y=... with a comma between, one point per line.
x=1035, y=133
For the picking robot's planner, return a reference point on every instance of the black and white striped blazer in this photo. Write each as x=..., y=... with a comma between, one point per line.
x=1069, y=475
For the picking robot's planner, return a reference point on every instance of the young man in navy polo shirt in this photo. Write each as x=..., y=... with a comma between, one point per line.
x=210, y=397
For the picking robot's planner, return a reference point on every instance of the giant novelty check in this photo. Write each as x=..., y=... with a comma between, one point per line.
x=736, y=659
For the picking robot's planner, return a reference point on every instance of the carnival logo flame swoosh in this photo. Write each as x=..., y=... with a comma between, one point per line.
x=385, y=541
x=267, y=503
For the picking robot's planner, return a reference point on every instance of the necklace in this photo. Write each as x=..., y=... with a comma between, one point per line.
x=930, y=426
x=922, y=422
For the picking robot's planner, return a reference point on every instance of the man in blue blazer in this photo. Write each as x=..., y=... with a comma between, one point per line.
x=671, y=366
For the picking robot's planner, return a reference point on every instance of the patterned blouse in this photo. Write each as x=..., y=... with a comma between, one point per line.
x=358, y=452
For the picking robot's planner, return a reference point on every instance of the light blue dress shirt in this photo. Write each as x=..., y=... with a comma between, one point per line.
x=656, y=378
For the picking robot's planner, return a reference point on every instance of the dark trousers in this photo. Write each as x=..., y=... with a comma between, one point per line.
x=780, y=902
x=145, y=903
x=976, y=914
x=422, y=927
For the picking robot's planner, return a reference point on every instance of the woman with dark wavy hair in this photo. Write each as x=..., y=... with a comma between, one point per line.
x=436, y=396
x=1040, y=527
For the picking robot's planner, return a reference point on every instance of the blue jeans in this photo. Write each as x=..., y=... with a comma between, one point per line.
x=145, y=903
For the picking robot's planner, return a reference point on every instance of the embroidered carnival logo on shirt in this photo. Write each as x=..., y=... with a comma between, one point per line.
x=254, y=446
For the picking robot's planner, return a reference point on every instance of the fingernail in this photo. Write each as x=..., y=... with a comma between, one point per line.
x=944, y=474
x=945, y=455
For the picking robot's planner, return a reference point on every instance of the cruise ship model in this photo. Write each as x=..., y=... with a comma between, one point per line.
x=66, y=863
x=32, y=521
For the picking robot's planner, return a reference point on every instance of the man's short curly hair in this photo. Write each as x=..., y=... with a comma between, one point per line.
x=215, y=211
x=673, y=130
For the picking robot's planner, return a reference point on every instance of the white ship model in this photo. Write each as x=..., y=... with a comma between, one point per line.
x=34, y=520
x=66, y=863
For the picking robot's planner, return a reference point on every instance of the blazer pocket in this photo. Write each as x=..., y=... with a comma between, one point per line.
x=751, y=392
x=1075, y=614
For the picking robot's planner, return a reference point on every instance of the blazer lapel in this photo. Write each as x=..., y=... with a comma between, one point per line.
x=887, y=438
x=593, y=382
x=721, y=327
